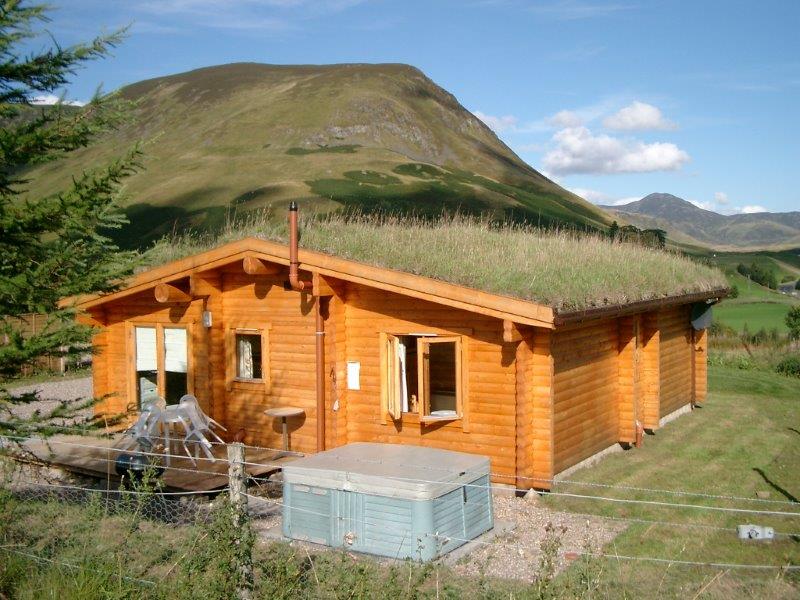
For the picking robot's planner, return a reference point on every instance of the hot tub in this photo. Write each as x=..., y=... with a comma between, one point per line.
x=386, y=499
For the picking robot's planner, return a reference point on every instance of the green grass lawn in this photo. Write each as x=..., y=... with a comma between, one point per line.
x=755, y=306
x=753, y=314
x=746, y=439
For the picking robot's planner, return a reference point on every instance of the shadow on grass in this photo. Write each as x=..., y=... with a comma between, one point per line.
x=785, y=493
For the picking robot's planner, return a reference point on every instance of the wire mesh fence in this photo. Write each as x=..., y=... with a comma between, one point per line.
x=175, y=509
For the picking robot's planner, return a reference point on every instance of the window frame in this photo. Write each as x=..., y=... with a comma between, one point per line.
x=391, y=403
x=233, y=380
x=161, y=373
x=423, y=374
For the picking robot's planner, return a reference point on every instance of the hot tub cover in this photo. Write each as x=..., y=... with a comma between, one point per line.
x=391, y=470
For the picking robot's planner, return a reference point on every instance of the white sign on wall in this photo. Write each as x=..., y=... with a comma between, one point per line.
x=353, y=375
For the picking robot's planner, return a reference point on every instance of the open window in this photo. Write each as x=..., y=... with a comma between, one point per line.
x=422, y=375
x=161, y=363
x=248, y=356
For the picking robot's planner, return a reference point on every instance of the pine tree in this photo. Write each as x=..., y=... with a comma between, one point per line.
x=52, y=246
x=613, y=230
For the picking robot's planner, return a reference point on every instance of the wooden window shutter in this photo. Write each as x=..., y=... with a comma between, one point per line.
x=391, y=402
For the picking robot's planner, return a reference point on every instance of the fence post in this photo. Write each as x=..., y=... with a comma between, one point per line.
x=238, y=497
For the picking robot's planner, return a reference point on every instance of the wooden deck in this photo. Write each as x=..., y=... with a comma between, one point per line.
x=95, y=457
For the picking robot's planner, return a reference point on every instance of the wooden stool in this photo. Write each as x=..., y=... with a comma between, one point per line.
x=284, y=412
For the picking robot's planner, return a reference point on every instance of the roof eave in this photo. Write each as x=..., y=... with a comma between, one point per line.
x=425, y=288
x=619, y=310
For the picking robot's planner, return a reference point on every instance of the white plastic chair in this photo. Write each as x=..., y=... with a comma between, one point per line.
x=197, y=427
x=142, y=431
x=200, y=420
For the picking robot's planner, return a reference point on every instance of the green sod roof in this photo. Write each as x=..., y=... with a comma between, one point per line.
x=564, y=270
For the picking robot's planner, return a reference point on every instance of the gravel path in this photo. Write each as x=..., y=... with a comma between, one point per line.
x=51, y=395
x=515, y=554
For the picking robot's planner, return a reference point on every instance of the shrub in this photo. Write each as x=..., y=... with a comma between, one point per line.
x=789, y=366
x=793, y=322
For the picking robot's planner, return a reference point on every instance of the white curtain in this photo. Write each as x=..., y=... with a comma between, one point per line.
x=146, y=349
x=245, y=354
x=175, y=354
x=401, y=356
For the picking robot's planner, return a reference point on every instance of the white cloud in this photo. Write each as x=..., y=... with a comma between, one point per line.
x=497, y=124
x=721, y=198
x=751, y=208
x=565, y=118
x=578, y=150
x=50, y=99
x=637, y=116
x=708, y=205
x=598, y=197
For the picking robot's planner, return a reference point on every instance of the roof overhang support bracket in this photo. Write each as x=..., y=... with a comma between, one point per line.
x=169, y=294
x=253, y=265
x=320, y=286
x=511, y=332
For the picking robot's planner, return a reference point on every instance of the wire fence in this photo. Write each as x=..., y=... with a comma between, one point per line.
x=265, y=502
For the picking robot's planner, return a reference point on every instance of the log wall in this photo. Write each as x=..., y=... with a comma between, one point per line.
x=650, y=379
x=700, y=365
x=629, y=373
x=542, y=377
x=489, y=426
x=113, y=370
x=586, y=414
x=261, y=302
x=675, y=359
x=535, y=406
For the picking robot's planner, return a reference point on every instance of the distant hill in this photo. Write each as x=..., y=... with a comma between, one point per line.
x=686, y=223
x=235, y=137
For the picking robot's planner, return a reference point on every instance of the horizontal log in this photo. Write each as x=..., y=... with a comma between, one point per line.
x=256, y=266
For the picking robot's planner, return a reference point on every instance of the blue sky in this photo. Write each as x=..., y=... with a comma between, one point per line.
x=614, y=99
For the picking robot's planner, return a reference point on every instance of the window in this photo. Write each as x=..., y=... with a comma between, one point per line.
x=146, y=366
x=422, y=375
x=248, y=356
x=161, y=363
x=176, y=365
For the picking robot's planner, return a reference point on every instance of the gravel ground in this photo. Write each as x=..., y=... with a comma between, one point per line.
x=52, y=394
x=515, y=554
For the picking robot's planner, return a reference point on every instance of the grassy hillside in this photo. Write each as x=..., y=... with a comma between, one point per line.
x=755, y=307
x=232, y=138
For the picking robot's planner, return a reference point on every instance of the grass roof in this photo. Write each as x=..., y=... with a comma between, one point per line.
x=565, y=270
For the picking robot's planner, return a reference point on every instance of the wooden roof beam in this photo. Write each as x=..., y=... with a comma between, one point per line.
x=253, y=265
x=320, y=286
x=169, y=294
x=511, y=332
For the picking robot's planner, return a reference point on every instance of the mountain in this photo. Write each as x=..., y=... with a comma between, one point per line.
x=236, y=137
x=689, y=224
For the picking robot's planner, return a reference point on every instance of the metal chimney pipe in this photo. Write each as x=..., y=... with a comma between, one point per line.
x=319, y=345
x=294, y=279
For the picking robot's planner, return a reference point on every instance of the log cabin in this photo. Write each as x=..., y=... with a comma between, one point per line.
x=366, y=353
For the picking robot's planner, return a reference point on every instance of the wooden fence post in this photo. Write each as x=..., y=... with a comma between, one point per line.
x=238, y=496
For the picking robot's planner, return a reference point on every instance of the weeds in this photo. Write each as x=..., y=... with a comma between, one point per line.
x=763, y=350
